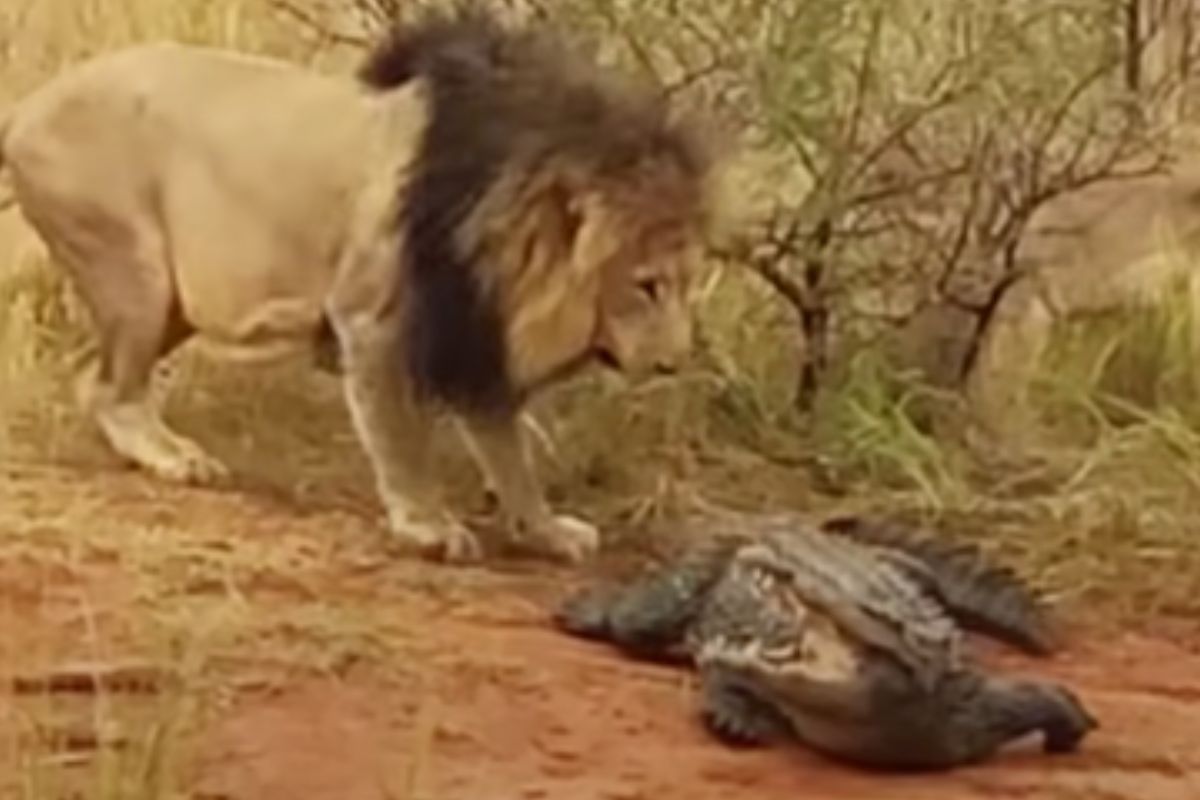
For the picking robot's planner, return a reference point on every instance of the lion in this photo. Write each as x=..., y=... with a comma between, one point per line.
x=476, y=214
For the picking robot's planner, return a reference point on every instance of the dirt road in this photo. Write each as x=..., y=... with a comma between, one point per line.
x=331, y=672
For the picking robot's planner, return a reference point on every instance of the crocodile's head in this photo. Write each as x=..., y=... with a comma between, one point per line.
x=815, y=632
x=761, y=623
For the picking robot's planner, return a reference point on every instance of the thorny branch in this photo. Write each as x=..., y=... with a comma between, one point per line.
x=983, y=201
x=954, y=216
x=313, y=22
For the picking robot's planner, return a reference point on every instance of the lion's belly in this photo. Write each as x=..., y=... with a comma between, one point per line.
x=258, y=191
x=246, y=271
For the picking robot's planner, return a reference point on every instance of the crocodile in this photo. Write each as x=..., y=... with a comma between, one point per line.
x=845, y=636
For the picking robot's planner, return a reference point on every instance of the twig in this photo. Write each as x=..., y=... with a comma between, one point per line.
x=862, y=80
x=132, y=677
x=310, y=21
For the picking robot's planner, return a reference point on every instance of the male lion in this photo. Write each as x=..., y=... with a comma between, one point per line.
x=480, y=213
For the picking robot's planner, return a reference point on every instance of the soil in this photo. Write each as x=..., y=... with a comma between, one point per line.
x=455, y=687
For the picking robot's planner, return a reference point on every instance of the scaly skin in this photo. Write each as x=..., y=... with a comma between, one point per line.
x=844, y=643
x=983, y=596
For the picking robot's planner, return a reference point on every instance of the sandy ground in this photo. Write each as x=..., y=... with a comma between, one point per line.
x=322, y=669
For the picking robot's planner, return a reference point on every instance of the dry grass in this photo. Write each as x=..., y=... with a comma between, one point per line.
x=1104, y=515
x=1120, y=409
x=152, y=622
x=106, y=744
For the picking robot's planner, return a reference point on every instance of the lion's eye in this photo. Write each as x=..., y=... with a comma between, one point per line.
x=650, y=287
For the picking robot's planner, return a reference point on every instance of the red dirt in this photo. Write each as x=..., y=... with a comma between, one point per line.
x=471, y=696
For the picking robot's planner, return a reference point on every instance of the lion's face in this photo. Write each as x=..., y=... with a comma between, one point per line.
x=644, y=321
x=594, y=268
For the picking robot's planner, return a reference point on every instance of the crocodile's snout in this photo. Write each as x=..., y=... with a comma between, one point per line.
x=584, y=613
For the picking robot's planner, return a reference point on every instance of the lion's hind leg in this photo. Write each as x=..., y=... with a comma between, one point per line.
x=121, y=273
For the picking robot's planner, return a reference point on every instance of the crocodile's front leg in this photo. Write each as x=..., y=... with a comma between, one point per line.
x=734, y=714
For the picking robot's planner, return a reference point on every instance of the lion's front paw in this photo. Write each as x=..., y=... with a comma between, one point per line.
x=565, y=537
x=449, y=542
x=195, y=465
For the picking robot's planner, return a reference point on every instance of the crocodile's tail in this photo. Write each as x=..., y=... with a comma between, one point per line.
x=981, y=595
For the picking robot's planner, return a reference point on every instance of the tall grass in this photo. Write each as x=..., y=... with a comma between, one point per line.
x=130, y=751
x=1128, y=367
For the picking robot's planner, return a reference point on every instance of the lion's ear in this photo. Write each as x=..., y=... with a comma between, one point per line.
x=569, y=209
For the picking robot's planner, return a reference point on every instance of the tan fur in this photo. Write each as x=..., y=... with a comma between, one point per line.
x=1111, y=246
x=190, y=191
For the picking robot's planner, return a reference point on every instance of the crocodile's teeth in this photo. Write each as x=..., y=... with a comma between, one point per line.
x=787, y=651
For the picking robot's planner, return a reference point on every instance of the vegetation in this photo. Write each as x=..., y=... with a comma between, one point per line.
x=893, y=157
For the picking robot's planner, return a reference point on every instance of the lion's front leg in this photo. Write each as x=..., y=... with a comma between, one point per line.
x=397, y=436
x=500, y=447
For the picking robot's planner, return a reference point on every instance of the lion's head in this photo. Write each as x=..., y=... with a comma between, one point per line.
x=555, y=215
x=647, y=260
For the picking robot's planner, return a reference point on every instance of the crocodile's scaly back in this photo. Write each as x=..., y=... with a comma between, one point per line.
x=875, y=602
x=980, y=594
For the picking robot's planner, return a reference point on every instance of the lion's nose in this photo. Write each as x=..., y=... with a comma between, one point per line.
x=665, y=368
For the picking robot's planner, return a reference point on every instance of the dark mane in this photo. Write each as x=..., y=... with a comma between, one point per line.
x=464, y=32
x=504, y=100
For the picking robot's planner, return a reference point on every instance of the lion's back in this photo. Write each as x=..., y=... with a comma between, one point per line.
x=142, y=104
x=248, y=166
